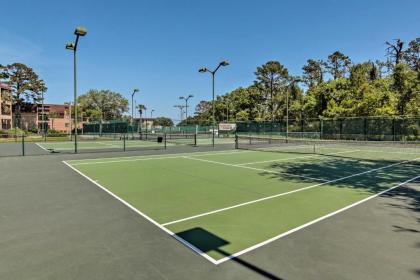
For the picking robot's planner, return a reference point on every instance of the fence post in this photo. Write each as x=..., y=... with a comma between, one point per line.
x=23, y=145
x=321, y=128
x=124, y=142
x=393, y=129
x=341, y=127
x=365, y=129
x=302, y=125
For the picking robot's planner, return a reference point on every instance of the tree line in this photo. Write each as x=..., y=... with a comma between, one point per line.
x=332, y=87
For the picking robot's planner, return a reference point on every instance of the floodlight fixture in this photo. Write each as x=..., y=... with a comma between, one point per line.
x=224, y=63
x=80, y=31
x=70, y=46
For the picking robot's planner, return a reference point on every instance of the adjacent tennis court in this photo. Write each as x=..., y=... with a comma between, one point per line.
x=122, y=142
x=224, y=204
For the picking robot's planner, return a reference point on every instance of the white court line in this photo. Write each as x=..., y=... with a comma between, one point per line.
x=141, y=158
x=109, y=144
x=84, y=148
x=42, y=147
x=252, y=168
x=183, y=241
x=282, y=159
x=256, y=246
x=285, y=193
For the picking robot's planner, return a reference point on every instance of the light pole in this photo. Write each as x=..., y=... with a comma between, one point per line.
x=70, y=117
x=180, y=107
x=213, y=73
x=145, y=113
x=186, y=105
x=80, y=31
x=151, y=118
x=132, y=107
x=44, y=134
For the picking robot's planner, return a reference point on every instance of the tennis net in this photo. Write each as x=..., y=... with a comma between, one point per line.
x=381, y=149
x=170, y=138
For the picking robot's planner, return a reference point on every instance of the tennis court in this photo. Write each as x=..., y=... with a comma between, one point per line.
x=120, y=142
x=224, y=204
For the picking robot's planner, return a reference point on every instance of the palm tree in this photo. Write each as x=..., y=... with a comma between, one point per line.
x=141, y=108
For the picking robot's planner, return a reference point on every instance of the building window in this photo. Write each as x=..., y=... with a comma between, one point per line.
x=6, y=124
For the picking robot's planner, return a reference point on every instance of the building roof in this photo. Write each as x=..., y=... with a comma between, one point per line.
x=32, y=108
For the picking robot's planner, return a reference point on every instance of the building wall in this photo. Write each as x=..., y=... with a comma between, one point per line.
x=145, y=122
x=5, y=109
x=57, y=117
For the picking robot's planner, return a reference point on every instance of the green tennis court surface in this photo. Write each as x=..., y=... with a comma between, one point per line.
x=223, y=204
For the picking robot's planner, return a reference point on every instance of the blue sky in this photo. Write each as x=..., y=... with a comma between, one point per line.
x=158, y=45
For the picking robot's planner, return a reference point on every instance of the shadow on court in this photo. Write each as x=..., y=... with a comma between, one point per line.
x=407, y=198
x=333, y=168
x=207, y=241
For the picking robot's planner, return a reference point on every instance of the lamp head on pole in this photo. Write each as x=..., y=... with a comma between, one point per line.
x=80, y=31
x=224, y=63
x=203, y=70
x=70, y=46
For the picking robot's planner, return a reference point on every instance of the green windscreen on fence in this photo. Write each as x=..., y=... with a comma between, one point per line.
x=358, y=128
x=105, y=127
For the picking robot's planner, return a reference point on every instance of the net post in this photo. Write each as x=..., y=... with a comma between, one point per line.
x=164, y=140
x=236, y=141
x=23, y=145
x=195, y=139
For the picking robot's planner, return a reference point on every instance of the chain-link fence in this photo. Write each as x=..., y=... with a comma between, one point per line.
x=358, y=128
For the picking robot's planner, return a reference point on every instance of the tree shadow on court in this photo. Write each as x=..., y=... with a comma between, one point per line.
x=206, y=242
x=335, y=169
x=406, y=198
